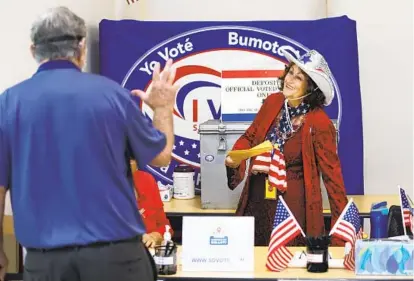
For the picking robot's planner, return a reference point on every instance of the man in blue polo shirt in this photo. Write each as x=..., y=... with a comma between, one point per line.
x=64, y=135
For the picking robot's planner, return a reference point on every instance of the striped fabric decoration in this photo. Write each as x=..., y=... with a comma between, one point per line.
x=274, y=165
x=277, y=171
x=261, y=163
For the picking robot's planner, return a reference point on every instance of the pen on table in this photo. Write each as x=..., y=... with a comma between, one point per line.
x=171, y=250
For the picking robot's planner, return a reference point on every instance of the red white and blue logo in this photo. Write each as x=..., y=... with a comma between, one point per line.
x=200, y=56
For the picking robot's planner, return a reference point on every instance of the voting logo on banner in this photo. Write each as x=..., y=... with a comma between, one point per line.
x=201, y=52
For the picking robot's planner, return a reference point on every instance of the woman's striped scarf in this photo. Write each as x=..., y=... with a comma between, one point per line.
x=273, y=162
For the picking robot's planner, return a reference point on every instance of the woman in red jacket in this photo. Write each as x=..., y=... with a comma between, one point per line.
x=296, y=122
x=151, y=208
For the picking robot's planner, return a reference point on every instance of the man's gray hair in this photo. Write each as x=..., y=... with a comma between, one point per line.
x=56, y=35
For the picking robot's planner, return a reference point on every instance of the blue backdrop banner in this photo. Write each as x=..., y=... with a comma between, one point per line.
x=129, y=50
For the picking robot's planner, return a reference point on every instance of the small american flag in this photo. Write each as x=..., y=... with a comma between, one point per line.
x=348, y=227
x=131, y=1
x=285, y=229
x=277, y=171
x=406, y=210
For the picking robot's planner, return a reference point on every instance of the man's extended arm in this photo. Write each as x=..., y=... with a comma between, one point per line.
x=161, y=99
x=163, y=121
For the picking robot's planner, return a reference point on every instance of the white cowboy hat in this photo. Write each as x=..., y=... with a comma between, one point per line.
x=316, y=67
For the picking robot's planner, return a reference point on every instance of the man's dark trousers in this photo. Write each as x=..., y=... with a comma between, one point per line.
x=126, y=260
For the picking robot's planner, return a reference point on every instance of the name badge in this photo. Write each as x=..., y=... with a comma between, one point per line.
x=270, y=191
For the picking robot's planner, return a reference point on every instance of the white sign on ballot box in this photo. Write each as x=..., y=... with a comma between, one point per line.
x=243, y=92
x=218, y=243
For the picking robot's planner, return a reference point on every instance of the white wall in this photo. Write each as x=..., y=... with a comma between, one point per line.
x=385, y=43
x=194, y=10
x=16, y=17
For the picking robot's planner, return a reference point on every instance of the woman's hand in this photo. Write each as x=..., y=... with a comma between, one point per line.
x=231, y=163
x=152, y=239
x=148, y=241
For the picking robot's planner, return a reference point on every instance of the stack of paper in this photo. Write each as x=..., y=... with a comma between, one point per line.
x=239, y=155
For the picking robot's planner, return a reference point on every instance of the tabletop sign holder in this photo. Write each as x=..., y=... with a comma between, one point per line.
x=218, y=244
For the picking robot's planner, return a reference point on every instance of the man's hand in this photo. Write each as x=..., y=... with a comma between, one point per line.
x=162, y=91
x=4, y=262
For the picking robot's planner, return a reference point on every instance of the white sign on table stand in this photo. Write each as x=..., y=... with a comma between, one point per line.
x=218, y=244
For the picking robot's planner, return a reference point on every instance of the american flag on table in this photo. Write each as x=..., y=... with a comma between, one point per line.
x=412, y=222
x=273, y=164
x=406, y=210
x=285, y=229
x=348, y=227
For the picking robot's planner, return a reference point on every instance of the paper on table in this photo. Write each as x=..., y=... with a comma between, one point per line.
x=299, y=260
x=239, y=155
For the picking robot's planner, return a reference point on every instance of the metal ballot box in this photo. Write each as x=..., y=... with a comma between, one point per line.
x=216, y=139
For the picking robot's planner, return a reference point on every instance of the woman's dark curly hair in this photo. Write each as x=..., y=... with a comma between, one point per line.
x=316, y=99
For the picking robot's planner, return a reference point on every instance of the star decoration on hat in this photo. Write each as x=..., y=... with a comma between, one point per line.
x=306, y=58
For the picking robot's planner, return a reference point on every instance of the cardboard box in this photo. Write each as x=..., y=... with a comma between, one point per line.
x=384, y=257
